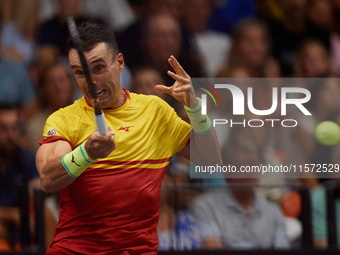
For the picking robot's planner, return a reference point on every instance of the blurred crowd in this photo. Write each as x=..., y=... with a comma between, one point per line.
x=211, y=39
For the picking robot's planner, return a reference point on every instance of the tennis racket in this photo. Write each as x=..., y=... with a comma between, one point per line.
x=98, y=113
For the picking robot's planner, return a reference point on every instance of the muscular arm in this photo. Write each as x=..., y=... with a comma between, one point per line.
x=53, y=175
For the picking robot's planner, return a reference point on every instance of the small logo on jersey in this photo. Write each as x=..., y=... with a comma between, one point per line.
x=125, y=128
x=51, y=132
x=73, y=161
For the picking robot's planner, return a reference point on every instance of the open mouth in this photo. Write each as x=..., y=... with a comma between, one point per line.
x=101, y=92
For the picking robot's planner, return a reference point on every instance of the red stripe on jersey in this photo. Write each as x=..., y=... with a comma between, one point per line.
x=131, y=168
x=145, y=161
x=55, y=138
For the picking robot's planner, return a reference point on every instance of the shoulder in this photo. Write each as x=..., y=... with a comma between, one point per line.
x=149, y=101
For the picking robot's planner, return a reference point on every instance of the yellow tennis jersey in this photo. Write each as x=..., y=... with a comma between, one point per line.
x=113, y=205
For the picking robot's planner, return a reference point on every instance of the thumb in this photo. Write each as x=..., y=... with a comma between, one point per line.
x=110, y=131
x=163, y=89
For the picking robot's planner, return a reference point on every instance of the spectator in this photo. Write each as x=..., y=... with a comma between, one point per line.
x=177, y=229
x=325, y=14
x=144, y=81
x=56, y=90
x=162, y=36
x=313, y=60
x=45, y=56
x=54, y=31
x=289, y=33
x=15, y=85
x=116, y=14
x=19, y=24
x=131, y=41
x=251, y=50
x=236, y=217
x=17, y=169
x=213, y=46
x=321, y=14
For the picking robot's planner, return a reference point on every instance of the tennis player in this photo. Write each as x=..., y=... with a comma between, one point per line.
x=110, y=184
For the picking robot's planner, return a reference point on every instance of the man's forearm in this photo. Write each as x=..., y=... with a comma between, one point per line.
x=54, y=176
x=205, y=149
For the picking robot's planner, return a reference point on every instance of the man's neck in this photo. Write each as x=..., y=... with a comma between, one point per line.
x=122, y=97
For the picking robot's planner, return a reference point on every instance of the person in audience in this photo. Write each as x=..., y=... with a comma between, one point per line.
x=212, y=46
x=177, y=229
x=313, y=60
x=19, y=24
x=287, y=34
x=55, y=90
x=162, y=36
x=15, y=85
x=235, y=216
x=116, y=14
x=251, y=50
x=144, y=81
x=54, y=31
x=17, y=170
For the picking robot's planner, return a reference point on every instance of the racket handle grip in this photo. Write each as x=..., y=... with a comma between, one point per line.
x=101, y=124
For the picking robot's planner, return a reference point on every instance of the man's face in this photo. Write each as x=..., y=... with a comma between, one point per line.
x=104, y=69
x=9, y=130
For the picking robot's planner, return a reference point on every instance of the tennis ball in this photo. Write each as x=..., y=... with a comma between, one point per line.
x=327, y=133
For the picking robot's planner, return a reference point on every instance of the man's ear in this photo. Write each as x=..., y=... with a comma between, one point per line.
x=120, y=61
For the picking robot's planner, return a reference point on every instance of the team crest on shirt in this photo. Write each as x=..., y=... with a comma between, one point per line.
x=51, y=132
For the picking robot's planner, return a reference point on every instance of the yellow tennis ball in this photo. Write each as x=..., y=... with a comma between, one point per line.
x=327, y=133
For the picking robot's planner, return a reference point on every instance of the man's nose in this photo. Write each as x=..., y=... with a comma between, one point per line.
x=95, y=83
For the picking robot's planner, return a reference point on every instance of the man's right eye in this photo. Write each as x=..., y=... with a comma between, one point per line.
x=79, y=73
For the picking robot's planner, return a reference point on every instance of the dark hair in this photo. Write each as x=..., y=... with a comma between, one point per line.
x=91, y=34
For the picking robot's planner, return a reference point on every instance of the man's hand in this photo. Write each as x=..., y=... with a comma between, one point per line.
x=100, y=146
x=182, y=89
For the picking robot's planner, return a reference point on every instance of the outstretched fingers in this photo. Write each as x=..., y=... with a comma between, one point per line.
x=185, y=88
x=163, y=89
x=179, y=78
x=177, y=66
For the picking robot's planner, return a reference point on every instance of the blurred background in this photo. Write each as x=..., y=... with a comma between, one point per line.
x=211, y=39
